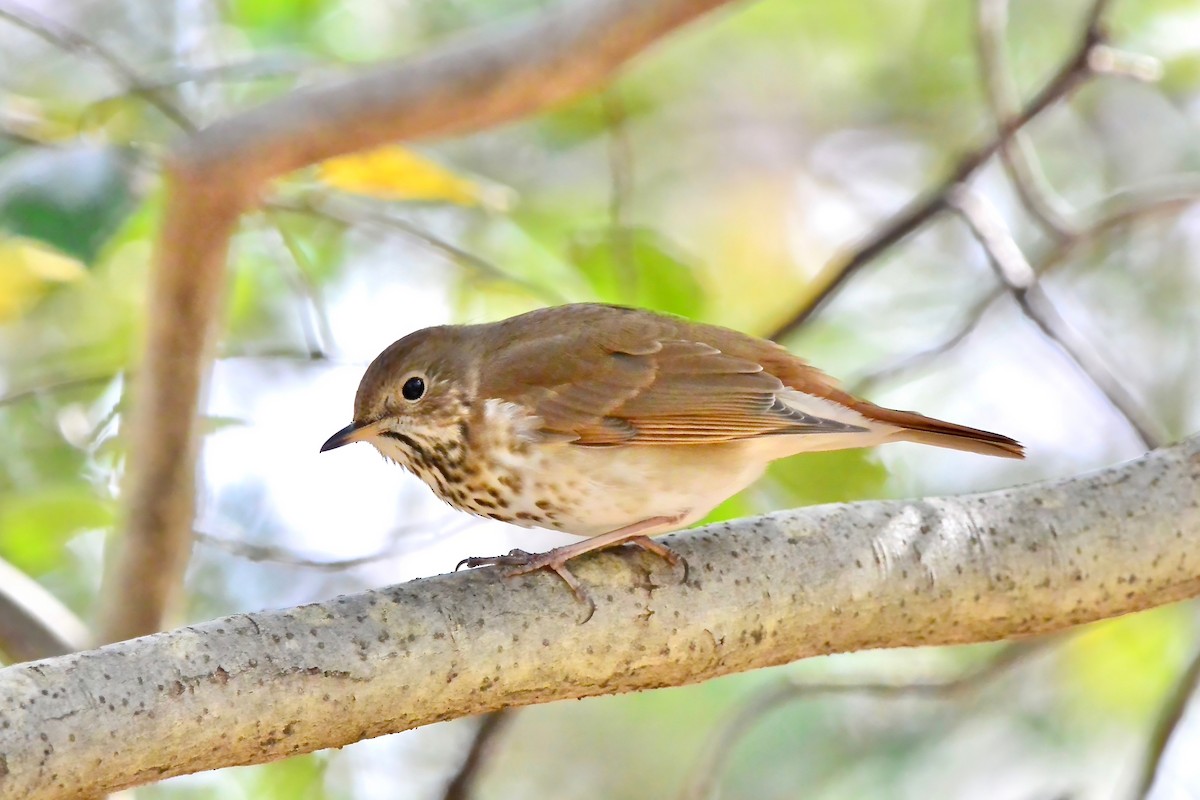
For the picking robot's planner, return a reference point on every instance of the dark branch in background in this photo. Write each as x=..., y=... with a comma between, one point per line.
x=1077, y=69
x=1169, y=719
x=715, y=755
x=1021, y=281
x=491, y=726
x=33, y=623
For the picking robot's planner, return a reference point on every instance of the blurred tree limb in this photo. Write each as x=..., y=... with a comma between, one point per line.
x=768, y=590
x=33, y=622
x=216, y=174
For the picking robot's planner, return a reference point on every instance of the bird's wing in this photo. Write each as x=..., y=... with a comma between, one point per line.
x=642, y=386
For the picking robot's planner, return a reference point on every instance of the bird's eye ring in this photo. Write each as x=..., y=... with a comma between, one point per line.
x=413, y=389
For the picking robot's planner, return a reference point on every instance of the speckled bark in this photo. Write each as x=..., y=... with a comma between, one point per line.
x=764, y=591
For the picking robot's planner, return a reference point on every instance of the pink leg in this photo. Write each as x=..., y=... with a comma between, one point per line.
x=556, y=559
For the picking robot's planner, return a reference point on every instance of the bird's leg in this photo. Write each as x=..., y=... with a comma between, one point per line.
x=522, y=562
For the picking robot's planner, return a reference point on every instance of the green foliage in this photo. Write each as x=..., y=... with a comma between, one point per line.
x=300, y=778
x=1121, y=670
x=808, y=479
x=638, y=267
x=277, y=21
x=35, y=526
x=73, y=198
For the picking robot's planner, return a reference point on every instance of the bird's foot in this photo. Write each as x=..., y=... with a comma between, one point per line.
x=520, y=562
x=665, y=553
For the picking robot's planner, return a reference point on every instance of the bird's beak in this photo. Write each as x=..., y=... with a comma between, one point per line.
x=348, y=434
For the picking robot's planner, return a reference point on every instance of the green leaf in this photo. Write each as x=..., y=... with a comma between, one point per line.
x=839, y=476
x=35, y=527
x=284, y=21
x=636, y=266
x=808, y=479
x=73, y=198
x=1120, y=670
x=299, y=778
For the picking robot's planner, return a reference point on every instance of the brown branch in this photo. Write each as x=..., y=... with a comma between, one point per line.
x=1021, y=281
x=834, y=275
x=215, y=175
x=491, y=726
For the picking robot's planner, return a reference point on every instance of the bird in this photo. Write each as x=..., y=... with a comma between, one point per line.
x=610, y=423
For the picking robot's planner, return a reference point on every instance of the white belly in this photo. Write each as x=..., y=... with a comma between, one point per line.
x=592, y=490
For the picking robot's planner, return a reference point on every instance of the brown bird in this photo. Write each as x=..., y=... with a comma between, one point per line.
x=608, y=422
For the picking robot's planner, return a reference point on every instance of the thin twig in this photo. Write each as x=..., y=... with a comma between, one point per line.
x=491, y=726
x=72, y=41
x=1168, y=720
x=620, y=169
x=1017, y=154
x=281, y=555
x=314, y=320
x=64, y=385
x=1115, y=212
x=834, y=275
x=345, y=213
x=1021, y=281
x=892, y=370
x=716, y=753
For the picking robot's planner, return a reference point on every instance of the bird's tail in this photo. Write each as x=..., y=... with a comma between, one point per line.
x=927, y=430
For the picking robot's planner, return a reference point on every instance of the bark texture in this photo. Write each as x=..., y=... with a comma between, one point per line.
x=764, y=591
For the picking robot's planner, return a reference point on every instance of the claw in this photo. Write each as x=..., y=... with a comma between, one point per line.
x=513, y=558
x=663, y=552
x=522, y=563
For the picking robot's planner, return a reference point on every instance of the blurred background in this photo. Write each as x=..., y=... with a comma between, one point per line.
x=726, y=176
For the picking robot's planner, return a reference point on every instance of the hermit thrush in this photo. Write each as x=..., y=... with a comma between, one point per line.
x=611, y=423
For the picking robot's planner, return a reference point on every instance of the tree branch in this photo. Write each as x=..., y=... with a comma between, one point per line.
x=1077, y=69
x=770, y=590
x=33, y=622
x=216, y=174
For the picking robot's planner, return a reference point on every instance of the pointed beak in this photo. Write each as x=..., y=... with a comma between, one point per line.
x=348, y=434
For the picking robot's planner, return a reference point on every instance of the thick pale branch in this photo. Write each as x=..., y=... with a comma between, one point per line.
x=764, y=591
x=217, y=173
x=477, y=81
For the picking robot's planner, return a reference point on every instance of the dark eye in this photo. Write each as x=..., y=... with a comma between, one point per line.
x=413, y=389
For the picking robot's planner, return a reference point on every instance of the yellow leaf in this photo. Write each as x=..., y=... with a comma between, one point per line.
x=1123, y=667
x=26, y=267
x=396, y=173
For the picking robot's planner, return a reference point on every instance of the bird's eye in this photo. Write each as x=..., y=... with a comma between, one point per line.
x=413, y=389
